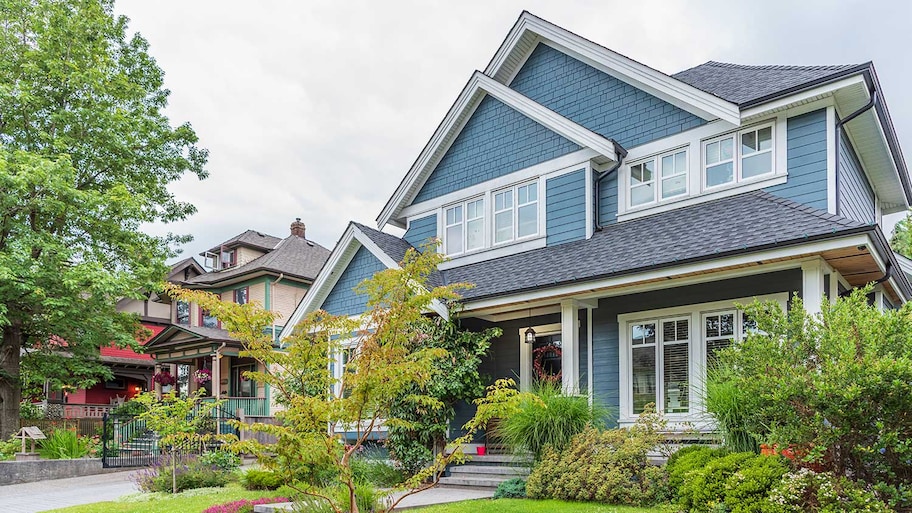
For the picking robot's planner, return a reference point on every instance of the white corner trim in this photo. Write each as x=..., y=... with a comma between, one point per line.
x=832, y=158
x=634, y=73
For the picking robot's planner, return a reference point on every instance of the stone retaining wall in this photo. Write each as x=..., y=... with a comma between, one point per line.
x=12, y=472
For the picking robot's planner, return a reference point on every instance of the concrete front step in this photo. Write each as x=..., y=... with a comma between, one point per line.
x=499, y=459
x=474, y=481
x=490, y=470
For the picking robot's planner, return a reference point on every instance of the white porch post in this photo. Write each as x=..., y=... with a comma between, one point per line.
x=570, y=345
x=157, y=386
x=216, y=379
x=812, y=285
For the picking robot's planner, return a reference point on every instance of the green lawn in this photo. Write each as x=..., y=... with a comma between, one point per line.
x=194, y=501
x=534, y=506
x=191, y=501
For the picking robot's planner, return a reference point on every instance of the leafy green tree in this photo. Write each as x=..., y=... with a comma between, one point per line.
x=387, y=358
x=901, y=241
x=86, y=157
x=456, y=379
x=836, y=387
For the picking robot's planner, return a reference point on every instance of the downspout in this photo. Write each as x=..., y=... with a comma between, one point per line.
x=888, y=273
x=839, y=123
x=622, y=153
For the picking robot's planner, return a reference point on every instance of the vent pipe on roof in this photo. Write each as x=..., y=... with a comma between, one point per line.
x=621, y=153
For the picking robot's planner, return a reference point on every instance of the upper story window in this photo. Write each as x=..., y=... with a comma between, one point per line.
x=465, y=227
x=182, y=309
x=668, y=169
x=208, y=320
x=516, y=212
x=738, y=156
x=241, y=296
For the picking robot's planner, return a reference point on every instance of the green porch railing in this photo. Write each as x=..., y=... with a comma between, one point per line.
x=256, y=406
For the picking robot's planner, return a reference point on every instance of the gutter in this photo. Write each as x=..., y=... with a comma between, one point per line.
x=622, y=154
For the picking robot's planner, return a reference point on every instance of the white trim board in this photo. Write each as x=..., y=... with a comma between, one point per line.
x=513, y=52
x=478, y=86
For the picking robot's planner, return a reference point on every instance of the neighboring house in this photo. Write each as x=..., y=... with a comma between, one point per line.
x=612, y=216
x=251, y=267
x=132, y=371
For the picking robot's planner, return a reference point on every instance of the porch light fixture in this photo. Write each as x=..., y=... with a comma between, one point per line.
x=530, y=333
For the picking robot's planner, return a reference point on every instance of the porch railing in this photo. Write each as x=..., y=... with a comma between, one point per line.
x=85, y=411
x=255, y=406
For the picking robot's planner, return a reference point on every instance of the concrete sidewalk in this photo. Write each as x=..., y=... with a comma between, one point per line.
x=60, y=493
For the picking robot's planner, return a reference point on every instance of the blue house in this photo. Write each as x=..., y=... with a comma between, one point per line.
x=611, y=216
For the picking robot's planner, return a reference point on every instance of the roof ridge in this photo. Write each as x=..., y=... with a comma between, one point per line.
x=719, y=64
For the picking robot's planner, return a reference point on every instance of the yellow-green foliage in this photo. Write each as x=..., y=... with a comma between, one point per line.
x=604, y=466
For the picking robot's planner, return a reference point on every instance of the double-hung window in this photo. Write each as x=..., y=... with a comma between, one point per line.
x=208, y=320
x=738, y=156
x=464, y=227
x=182, y=309
x=659, y=178
x=660, y=364
x=241, y=295
x=718, y=333
x=516, y=212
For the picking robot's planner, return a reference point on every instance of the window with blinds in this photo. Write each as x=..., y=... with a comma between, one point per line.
x=676, y=364
x=660, y=364
x=718, y=332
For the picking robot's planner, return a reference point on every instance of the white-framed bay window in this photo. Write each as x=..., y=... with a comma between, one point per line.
x=658, y=178
x=664, y=355
x=464, y=227
x=739, y=156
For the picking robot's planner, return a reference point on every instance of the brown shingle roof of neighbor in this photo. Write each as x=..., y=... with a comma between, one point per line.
x=293, y=256
x=251, y=238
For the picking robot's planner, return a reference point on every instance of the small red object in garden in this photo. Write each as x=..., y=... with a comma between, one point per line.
x=482, y=450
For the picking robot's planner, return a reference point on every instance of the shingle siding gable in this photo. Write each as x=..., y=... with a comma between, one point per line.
x=496, y=141
x=854, y=196
x=343, y=300
x=565, y=209
x=598, y=101
x=807, y=161
x=420, y=230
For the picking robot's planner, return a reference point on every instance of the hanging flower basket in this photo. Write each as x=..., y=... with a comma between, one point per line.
x=164, y=378
x=538, y=362
x=203, y=376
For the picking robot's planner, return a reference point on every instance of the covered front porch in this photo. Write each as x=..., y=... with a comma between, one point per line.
x=208, y=360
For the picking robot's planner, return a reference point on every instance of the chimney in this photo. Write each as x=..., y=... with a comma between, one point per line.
x=297, y=228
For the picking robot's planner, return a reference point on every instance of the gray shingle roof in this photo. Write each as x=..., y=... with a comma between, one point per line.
x=738, y=224
x=294, y=256
x=251, y=238
x=395, y=248
x=743, y=84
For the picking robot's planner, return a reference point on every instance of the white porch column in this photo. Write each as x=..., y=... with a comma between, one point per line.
x=157, y=386
x=812, y=285
x=216, y=378
x=570, y=345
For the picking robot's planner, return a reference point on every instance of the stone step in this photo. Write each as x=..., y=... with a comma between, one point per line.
x=474, y=481
x=490, y=470
x=498, y=459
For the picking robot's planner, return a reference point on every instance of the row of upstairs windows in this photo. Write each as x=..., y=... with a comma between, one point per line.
x=502, y=217
x=737, y=157
x=182, y=310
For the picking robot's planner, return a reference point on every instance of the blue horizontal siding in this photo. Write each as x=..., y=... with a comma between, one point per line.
x=420, y=230
x=807, y=161
x=565, y=211
x=496, y=141
x=854, y=195
x=598, y=101
x=342, y=299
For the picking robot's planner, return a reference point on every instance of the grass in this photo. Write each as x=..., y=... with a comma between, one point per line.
x=535, y=506
x=191, y=501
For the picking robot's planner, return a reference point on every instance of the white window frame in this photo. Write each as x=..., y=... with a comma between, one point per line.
x=738, y=156
x=658, y=179
x=514, y=190
x=464, y=223
x=659, y=354
x=696, y=417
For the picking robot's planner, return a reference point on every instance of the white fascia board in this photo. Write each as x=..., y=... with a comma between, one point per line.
x=478, y=86
x=643, y=77
x=595, y=288
x=806, y=96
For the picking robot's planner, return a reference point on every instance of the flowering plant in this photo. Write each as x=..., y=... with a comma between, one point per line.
x=203, y=376
x=164, y=378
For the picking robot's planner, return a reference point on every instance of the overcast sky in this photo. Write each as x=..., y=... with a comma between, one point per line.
x=316, y=109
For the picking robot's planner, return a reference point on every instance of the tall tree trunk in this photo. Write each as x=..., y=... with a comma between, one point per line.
x=10, y=389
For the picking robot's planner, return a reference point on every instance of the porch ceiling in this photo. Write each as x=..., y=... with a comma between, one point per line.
x=858, y=266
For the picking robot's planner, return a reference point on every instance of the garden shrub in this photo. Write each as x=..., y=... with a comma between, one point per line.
x=243, y=505
x=130, y=408
x=64, y=444
x=511, y=489
x=806, y=491
x=31, y=411
x=704, y=489
x=604, y=466
x=366, y=497
x=550, y=421
x=259, y=479
x=9, y=448
x=376, y=472
x=223, y=460
x=190, y=474
x=688, y=459
x=746, y=488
